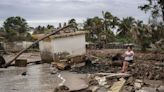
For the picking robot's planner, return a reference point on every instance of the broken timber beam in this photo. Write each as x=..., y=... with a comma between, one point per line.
x=117, y=86
x=110, y=75
x=8, y=63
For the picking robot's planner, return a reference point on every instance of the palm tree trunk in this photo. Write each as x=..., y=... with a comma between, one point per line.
x=163, y=13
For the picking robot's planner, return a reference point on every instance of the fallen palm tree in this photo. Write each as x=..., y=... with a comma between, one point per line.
x=42, y=38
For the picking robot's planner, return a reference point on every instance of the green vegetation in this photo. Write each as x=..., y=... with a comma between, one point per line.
x=16, y=29
x=100, y=28
x=156, y=7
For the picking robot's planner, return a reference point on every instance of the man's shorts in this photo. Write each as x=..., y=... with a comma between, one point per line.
x=129, y=61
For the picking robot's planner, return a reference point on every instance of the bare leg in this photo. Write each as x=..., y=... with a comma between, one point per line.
x=123, y=67
x=126, y=66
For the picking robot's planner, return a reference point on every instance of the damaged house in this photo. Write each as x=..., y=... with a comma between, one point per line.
x=66, y=42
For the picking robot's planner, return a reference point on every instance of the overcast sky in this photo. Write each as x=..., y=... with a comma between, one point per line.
x=43, y=12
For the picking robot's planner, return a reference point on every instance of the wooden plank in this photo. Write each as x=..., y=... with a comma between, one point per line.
x=117, y=86
x=109, y=75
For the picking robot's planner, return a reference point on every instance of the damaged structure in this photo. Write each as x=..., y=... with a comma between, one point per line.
x=68, y=43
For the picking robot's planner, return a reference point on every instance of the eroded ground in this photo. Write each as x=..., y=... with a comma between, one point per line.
x=146, y=75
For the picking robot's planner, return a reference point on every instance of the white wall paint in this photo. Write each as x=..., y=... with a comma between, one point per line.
x=74, y=45
x=26, y=44
x=46, y=51
x=45, y=46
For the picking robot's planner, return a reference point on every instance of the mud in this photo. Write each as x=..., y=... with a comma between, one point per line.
x=96, y=68
x=35, y=78
x=147, y=74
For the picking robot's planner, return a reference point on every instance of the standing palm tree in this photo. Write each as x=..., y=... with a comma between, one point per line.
x=73, y=22
x=94, y=24
x=125, y=27
x=95, y=27
x=110, y=21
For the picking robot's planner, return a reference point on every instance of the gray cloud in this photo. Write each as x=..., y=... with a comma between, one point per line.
x=53, y=11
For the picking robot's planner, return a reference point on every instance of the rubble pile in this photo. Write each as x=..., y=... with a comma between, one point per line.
x=149, y=56
x=146, y=74
x=96, y=68
x=147, y=70
x=138, y=55
x=123, y=84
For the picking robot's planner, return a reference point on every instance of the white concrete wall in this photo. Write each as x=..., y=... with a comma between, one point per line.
x=46, y=51
x=74, y=45
x=45, y=46
x=26, y=44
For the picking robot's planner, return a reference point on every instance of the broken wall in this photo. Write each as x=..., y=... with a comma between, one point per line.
x=72, y=44
x=46, y=51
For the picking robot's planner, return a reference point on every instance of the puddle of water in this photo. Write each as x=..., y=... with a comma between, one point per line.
x=38, y=79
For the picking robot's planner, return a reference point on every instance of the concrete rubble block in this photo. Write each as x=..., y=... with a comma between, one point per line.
x=61, y=65
x=161, y=88
x=53, y=69
x=139, y=81
x=130, y=81
x=153, y=83
x=94, y=88
x=102, y=89
x=75, y=82
x=128, y=89
x=147, y=89
x=101, y=80
x=21, y=62
x=46, y=57
x=2, y=61
x=76, y=59
x=62, y=88
x=137, y=85
x=117, y=86
x=160, y=64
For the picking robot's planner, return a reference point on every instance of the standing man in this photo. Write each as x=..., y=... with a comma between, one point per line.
x=128, y=58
